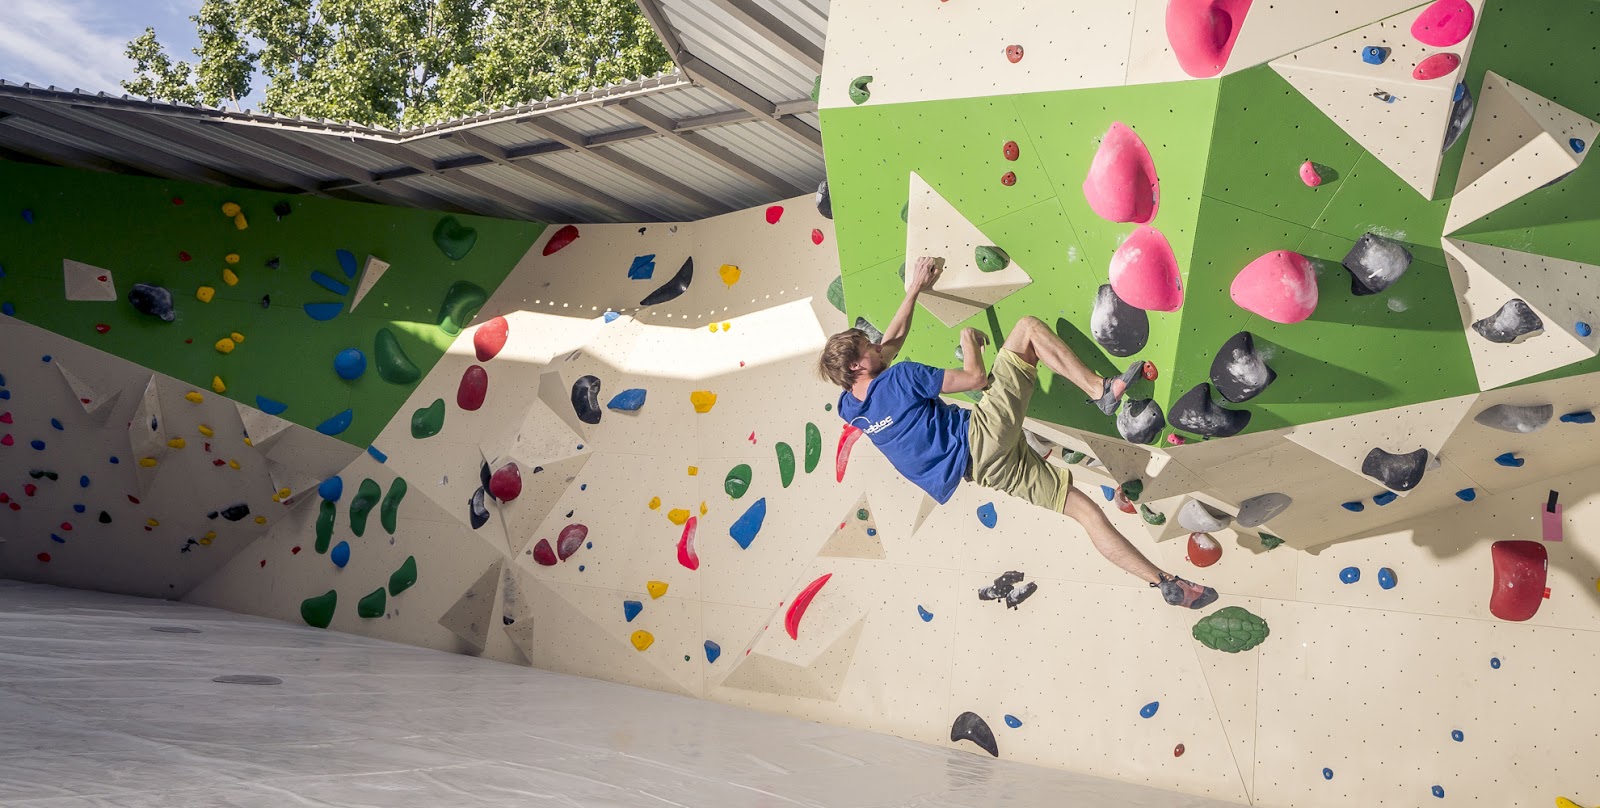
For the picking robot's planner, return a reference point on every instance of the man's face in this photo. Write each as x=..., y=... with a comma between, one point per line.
x=871, y=362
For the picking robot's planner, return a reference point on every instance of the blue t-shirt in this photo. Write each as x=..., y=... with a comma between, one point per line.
x=924, y=437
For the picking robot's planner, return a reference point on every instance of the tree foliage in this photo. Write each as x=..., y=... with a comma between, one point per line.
x=399, y=62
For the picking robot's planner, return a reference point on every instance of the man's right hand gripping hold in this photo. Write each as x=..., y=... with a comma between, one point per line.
x=936, y=444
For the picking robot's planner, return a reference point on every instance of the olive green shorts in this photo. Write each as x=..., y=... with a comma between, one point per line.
x=1001, y=458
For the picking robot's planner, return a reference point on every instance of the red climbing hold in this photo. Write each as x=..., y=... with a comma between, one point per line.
x=5, y=417
x=263, y=562
x=1280, y=286
x=1010, y=150
x=1008, y=179
x=1204, y=550
x=295, y=550
x=6, y=440
x=30, y=489
x=797, y=609
x=133, y=499
x=102, y=328
x=570, y=539
x=841, y=458
x=1444, y=23
x=1177, y=751
x=1144, y=272
x=1202, y=33
x=1122, y=185
x=1014, y=53
x=1436, y=66
x=490, y=338
x=774, y=213
x=177, y=200
x=474, y=387
x=506, y=483
x=45, y=557
x=543, y=553
x=1519, y=577
x=561, y=238
x=816, y=236
x=183, y=256
x=686, y=554
x=66, y=527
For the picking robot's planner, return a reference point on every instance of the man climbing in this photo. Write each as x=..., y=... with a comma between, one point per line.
x=936, y=445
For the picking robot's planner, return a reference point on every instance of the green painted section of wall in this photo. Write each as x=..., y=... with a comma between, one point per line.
x=131, y=226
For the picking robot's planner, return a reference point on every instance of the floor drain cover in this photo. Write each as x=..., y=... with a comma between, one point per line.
x=175, y=629
x=248, y=679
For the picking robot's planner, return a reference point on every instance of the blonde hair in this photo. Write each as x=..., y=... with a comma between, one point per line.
x=843, y=350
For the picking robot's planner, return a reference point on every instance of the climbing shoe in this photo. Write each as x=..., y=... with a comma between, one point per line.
x=1110, y=398
x=1002, y=586
x=1187, y=594
x=1021, y=594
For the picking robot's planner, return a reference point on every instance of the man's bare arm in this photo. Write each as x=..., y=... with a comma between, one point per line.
x=972, y=375
x=924, y=273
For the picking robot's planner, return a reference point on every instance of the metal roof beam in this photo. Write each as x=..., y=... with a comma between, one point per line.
x=351, y=176
x=749, y=100
x=716, y=153
x=773, y=30
x=624, y=164
x=543, y=174
x=523, y=207
x=57, y=153
x=658, y=20
x=166, y=129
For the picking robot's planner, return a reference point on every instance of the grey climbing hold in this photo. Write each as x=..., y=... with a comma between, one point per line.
x=1239, y=371
x=1397, y=472
x=1375, y=263
x=1516, y=418
x=1460, y=115
x=1510, y=323
x=1199, y=517
x=152, y=300
x=1141, y=421
x=1196, y=412
x=1259, y=510
x=970, y=726
x=1121, y=329
x=824, y=200
x=873, y=334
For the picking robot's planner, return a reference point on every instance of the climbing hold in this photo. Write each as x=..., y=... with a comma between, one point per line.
x=1579, y=417
x=318, y=611
x=1374, y=54
x=1231, y=629
x=1152, y=517
x=1008, y=179
x=427, y=421
x=1510, y=460
x=1457, y=735
x=1510, y=323
x=1386, y=578
x=1122, y=185
x=1460, y=115
x=970, y=727
x=326, y=513
x=641, y=639
x=319, y=278
x=1350, y=575
x=1385, y=498
x=461, y=303
x=746, y=527
x=1259, y=510
x=1444, y=23
x=404, y=577
x=1121, y=329
x=802, y=601
x=785, y=463
x=1270, y=542
x=775, y=212
x=863, y=325
x=231, y=278
x=477, y=509
x=1141, y=421
x=631, y=609
x=506, y=483
x=205, y=293
x=1520, y=569
x=350, y=363
x=331, y=489
x=1309, y=174
x=1202, y=33
x=986, y=515
x=1149, y=710
x=730, y=276
x=474, y=387
x=1196, y=412
x=152, y=300
x=337, y=423
x=544, y=554
x=1438, y=791
x=340, y=555
x=1144, y=272
x=389, y=512
x=686, y=552
x=1397, y=472
x=373, y=605
x=1494, y=662
x=225, y=346
x=1467, y=494
x=927, y=616
x=490, y=338
x=672, y=288
x=813, y=446
x=1327, y=774
x=394, y=366
x=656, y=589
x=1204, y=550
x=1436, y=66
x=1375, y=263
x=585, y=398
x=1516, y=418
x=361, y=505
x=1239, y=371
x=1013, y=53
x=859, y=89
x=570, y=539
x=453, y=238
x=1582, y=329
x=559, y=240
x=841, y=456
x=737, y=481
x=991, y=259
x=1280, y=286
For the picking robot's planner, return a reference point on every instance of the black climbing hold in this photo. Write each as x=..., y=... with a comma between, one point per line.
x=1239, y=371
x=586, y=399
x=211, y=515
x=282, y=209
x=1196, y=412
x=484, y=475
x=152, y=300
x=873, y=334
x=234, y=513
x=1121, y=329
x=1460, y=115
x=105, y=518
x=506, y=620
x=969, y=726
x=1259, y=510
x=1375, y=263
x=1397, y=472
x=480, y=511
x=1516, y=418
x=272, y=263
x=673, y=288
x=824, y=200
x=266, y=301
x=1513, y=321
x=1141, y=421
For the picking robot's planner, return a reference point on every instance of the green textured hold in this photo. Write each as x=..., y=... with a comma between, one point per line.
x=905, y=212
x=372, y=605
x=861, y=514
x=816, y=90
x=1152, y=517
x=394, y=366
x=318, y=611
x=813, y=446
x=390, y=512
x=858, y=89
x=992, y=259
x=454, y=238
x=427, y=421
x=1231, y=630
x=836, y=293
x=361, y=506
x=1270, y=541
x=785, y=464
x=1133, y=489
x=403, y=578
x=461, y=303
x=325, y=517
x=738, y=480
x=1074, y=458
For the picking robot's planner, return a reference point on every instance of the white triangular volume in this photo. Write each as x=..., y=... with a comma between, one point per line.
x=295, y=480
x=85, y=282
x=147, y=431
x=1520, y=143
x=91, y=400
x=469, y=618
x=937, y=229
x=1344, y=54
x=1562, y=293
x=369, y=277
x=1400, y=430
x=259, y=427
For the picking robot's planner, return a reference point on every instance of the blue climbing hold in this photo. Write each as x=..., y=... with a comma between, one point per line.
x=1108, y=492
x=114, y=460
x=83, y=482
x=58, y=539
x=629, y=400
x=986, y=514
x=1012, y=721
x=38, y=444
x=322, y=312
x=1494, y=662
x=1353, y=506
x=1583, y=328
x=337, y=423
x=347, y=263
x=79, y=508
x=1438, y=791
x=1510, y=460
x=1386, y=497
x=27, y=215
x=5, y=394
x=1579, y=417
x=1374, y=55
x=330, y=283
x=746, y=527
x=340, y=555
x=1386, y=578
x=872, y=531
x=1327, y=773
x=580, y=568
x=46, y=358
x=377, y=455
x=927, y=616
x=585, y=486
x=1467, y=494
x=712, y=651
x=350, y=363
x=1577, y=145
x=269, y=406
x=57, y=424
x=1149, y=709
x=1457, y=735
x=331, y=489
x=589, y=546
x=643, y=267
x=609, y=316
x=8, y=310
x=1350, y=575
x=631, y=609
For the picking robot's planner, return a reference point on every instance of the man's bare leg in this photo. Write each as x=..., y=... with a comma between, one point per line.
x=1111, y=543
x=1035, y=342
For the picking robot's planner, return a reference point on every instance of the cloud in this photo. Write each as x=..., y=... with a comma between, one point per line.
x=48, y=42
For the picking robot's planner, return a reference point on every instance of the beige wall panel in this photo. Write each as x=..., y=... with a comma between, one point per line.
x=1480, y=292
x=1557, y=449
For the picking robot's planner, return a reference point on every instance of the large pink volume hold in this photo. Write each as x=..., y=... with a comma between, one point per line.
x=1122, y=184
x=1202, y=33
x=1280, y=286
x=1144, y=272
x=1444, y=23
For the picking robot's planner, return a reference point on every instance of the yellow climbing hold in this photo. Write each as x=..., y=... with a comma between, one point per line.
x=703, y=400
x=205, y=293
x=229, y=277
x=210, y=534
x=726, y=326
x=225, y=345
x=239, y=222
x=677, y=516
x=217, y=386
x=206, y=430
x=233, y=464
x=642, y=639
x=206, y=540
x=276, y=498
x=712, y=328
x=238, y=338
x=655, y=502
x=730, y=275
x=702, y=507
x=230, y=209
x=261, y=520
x=1563, y=802
x=147, y=462
x=284, y=493
x=249, y=442
x=177, y=443
x=152, y=523
x=657, y=588
x=232, y=258
x=694, y=471
x=193, y=397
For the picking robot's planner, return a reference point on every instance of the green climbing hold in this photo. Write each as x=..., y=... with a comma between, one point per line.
x=1133, y=489
x=461, y=303
x=318, y=611
x=427, y=421
x=393, y=364
x=372, y=605
x=861, y=514
x=813, y=447
x=1152, y=517
x=785, y=464
x=737, y=481
x=325, y=518
x=1231, y=630
x=1270, y=541
x=403, y=578
x=361, y=507
x=454, y=238
x=816, y=90
x=992, y=259
x=390, y=512
x=836, y=293
x=858, y=89
x=1074, y=458
x=905, y=212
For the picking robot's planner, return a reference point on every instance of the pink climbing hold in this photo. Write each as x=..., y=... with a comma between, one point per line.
x=686, y=554
x=570, y=539
x=816, y=236
x=1202, y=33
x=1309, y=175
x=490, y=338
x=506, y=483
x=1122, y=185
x=1436, y=66
x=473, y=389
x=797, y=609
x=544, y=554
x=1280, y=286
x=1144, y=272
x=841, y=458
x=1444, y=23
x=774, y=213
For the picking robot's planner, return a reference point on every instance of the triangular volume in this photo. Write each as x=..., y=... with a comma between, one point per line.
x=1520, y=143
x=293, y=480
x=582, y=630
x=857, y=535
x=1233, y=685
x=1561, y=294
x=91, y=400
x=977, y=273
x=819, y=677
x=147, y=435
x=542, y=486
x=260, y=427
x=1271, y=30
x=1401, y=431
x=556, y=391
x=85, y=282
x=1384, y=53
x=469, y=618
x=369, y=278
